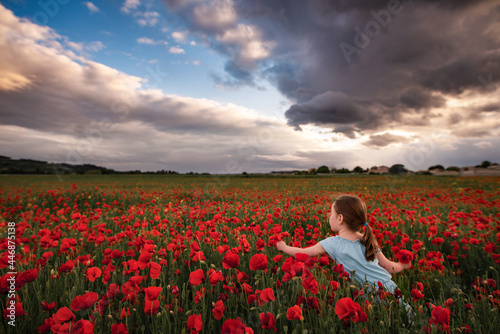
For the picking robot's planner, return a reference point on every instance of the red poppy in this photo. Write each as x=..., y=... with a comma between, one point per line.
x=119, y=329
x=195, y=323
x=197, y=277
x=82, y=327
x=265, y=296
x=27, y=276
x=215, y=277
x=267, y=321
x=416, y=246
x=218, y=310
x=152, y=293
x=230, y=260
x=144, y=258
x=440, y=317
x=125, y=313
x=84, y=301
x=235, y=326
x=416, y=294
x=404, y=256
x=63, y=315
x=294, y=313
x=47, y=307
x=154, y=270
x=258, y=261
x=47, y=324
x=66, y=267
x=17, y=311
x=93, y=273
x=151, y=307
x=347, y=309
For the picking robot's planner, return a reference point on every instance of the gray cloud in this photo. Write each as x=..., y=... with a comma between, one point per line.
x=385, y=139
x=392, y=58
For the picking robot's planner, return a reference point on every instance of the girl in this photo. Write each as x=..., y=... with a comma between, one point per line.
x=359, y=253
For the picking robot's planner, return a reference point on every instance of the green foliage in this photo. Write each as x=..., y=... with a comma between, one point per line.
x=358, y=170
x=440, y=167
x=397, y=169
x=323, y=170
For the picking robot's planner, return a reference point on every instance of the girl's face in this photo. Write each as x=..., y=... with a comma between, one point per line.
x=334, y=219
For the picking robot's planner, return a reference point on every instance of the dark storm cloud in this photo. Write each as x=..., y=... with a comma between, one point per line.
x=385, y=139
x=417, y=99
x=391, y=58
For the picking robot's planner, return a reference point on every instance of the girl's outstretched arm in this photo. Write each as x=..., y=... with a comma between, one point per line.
x=311, y=251
x=391, y=266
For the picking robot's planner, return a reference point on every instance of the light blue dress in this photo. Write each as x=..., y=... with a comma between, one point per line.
x=351, y=254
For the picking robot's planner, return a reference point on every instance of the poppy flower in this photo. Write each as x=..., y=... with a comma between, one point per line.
x=27, y=276
x=294, y=313
x=195, y=323
x=267, y=321
x=215, y=277
x=416, y=294
x=347, y=309
x=151, y=307
x=93, y=273
x=84, y=301
x=230, y=260
x=18, y=308
x=66, y=267
x=46, y=326
x=47, y=307
x=404, y=256
x=154, y=270
x=152, y=293
x=63, y=315
x=197, y=277
x=119, y=329
x=440, y=317
x=218, y=310
x=235, y=326
x=258, y=261
x=265, y=296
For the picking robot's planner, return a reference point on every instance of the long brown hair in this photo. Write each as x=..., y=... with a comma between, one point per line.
x=353, y=209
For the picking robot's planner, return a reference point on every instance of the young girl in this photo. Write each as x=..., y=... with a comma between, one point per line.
x=359, y=253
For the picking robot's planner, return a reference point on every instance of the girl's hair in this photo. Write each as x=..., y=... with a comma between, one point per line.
x=353, y=209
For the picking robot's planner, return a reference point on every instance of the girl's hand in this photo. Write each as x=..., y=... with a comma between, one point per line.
x=280, y=245
x=405, y=265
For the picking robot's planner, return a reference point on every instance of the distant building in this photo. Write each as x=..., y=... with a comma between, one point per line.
x=379, y=170
x=493, y=170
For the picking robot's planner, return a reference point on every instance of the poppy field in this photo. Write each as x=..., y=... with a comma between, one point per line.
x=196, y=254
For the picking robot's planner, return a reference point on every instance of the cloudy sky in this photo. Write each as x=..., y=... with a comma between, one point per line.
x=226, y=86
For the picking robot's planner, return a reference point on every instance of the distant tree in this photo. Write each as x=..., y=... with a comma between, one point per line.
x=440, y=167
x=342, y=171
x=398, y=169
x=485, y=164
x=323, y=169
x=453, y=169
x=374, y=167
x=358, y=169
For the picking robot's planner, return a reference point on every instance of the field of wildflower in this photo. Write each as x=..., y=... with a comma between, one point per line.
x=189, y=254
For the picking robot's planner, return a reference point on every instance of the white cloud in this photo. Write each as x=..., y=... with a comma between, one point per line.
x=147, y=18
x=483, y=144
x=130, y=5
x=176, y=50
x=91, y=7
x=179, y=36
x=149, y=41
